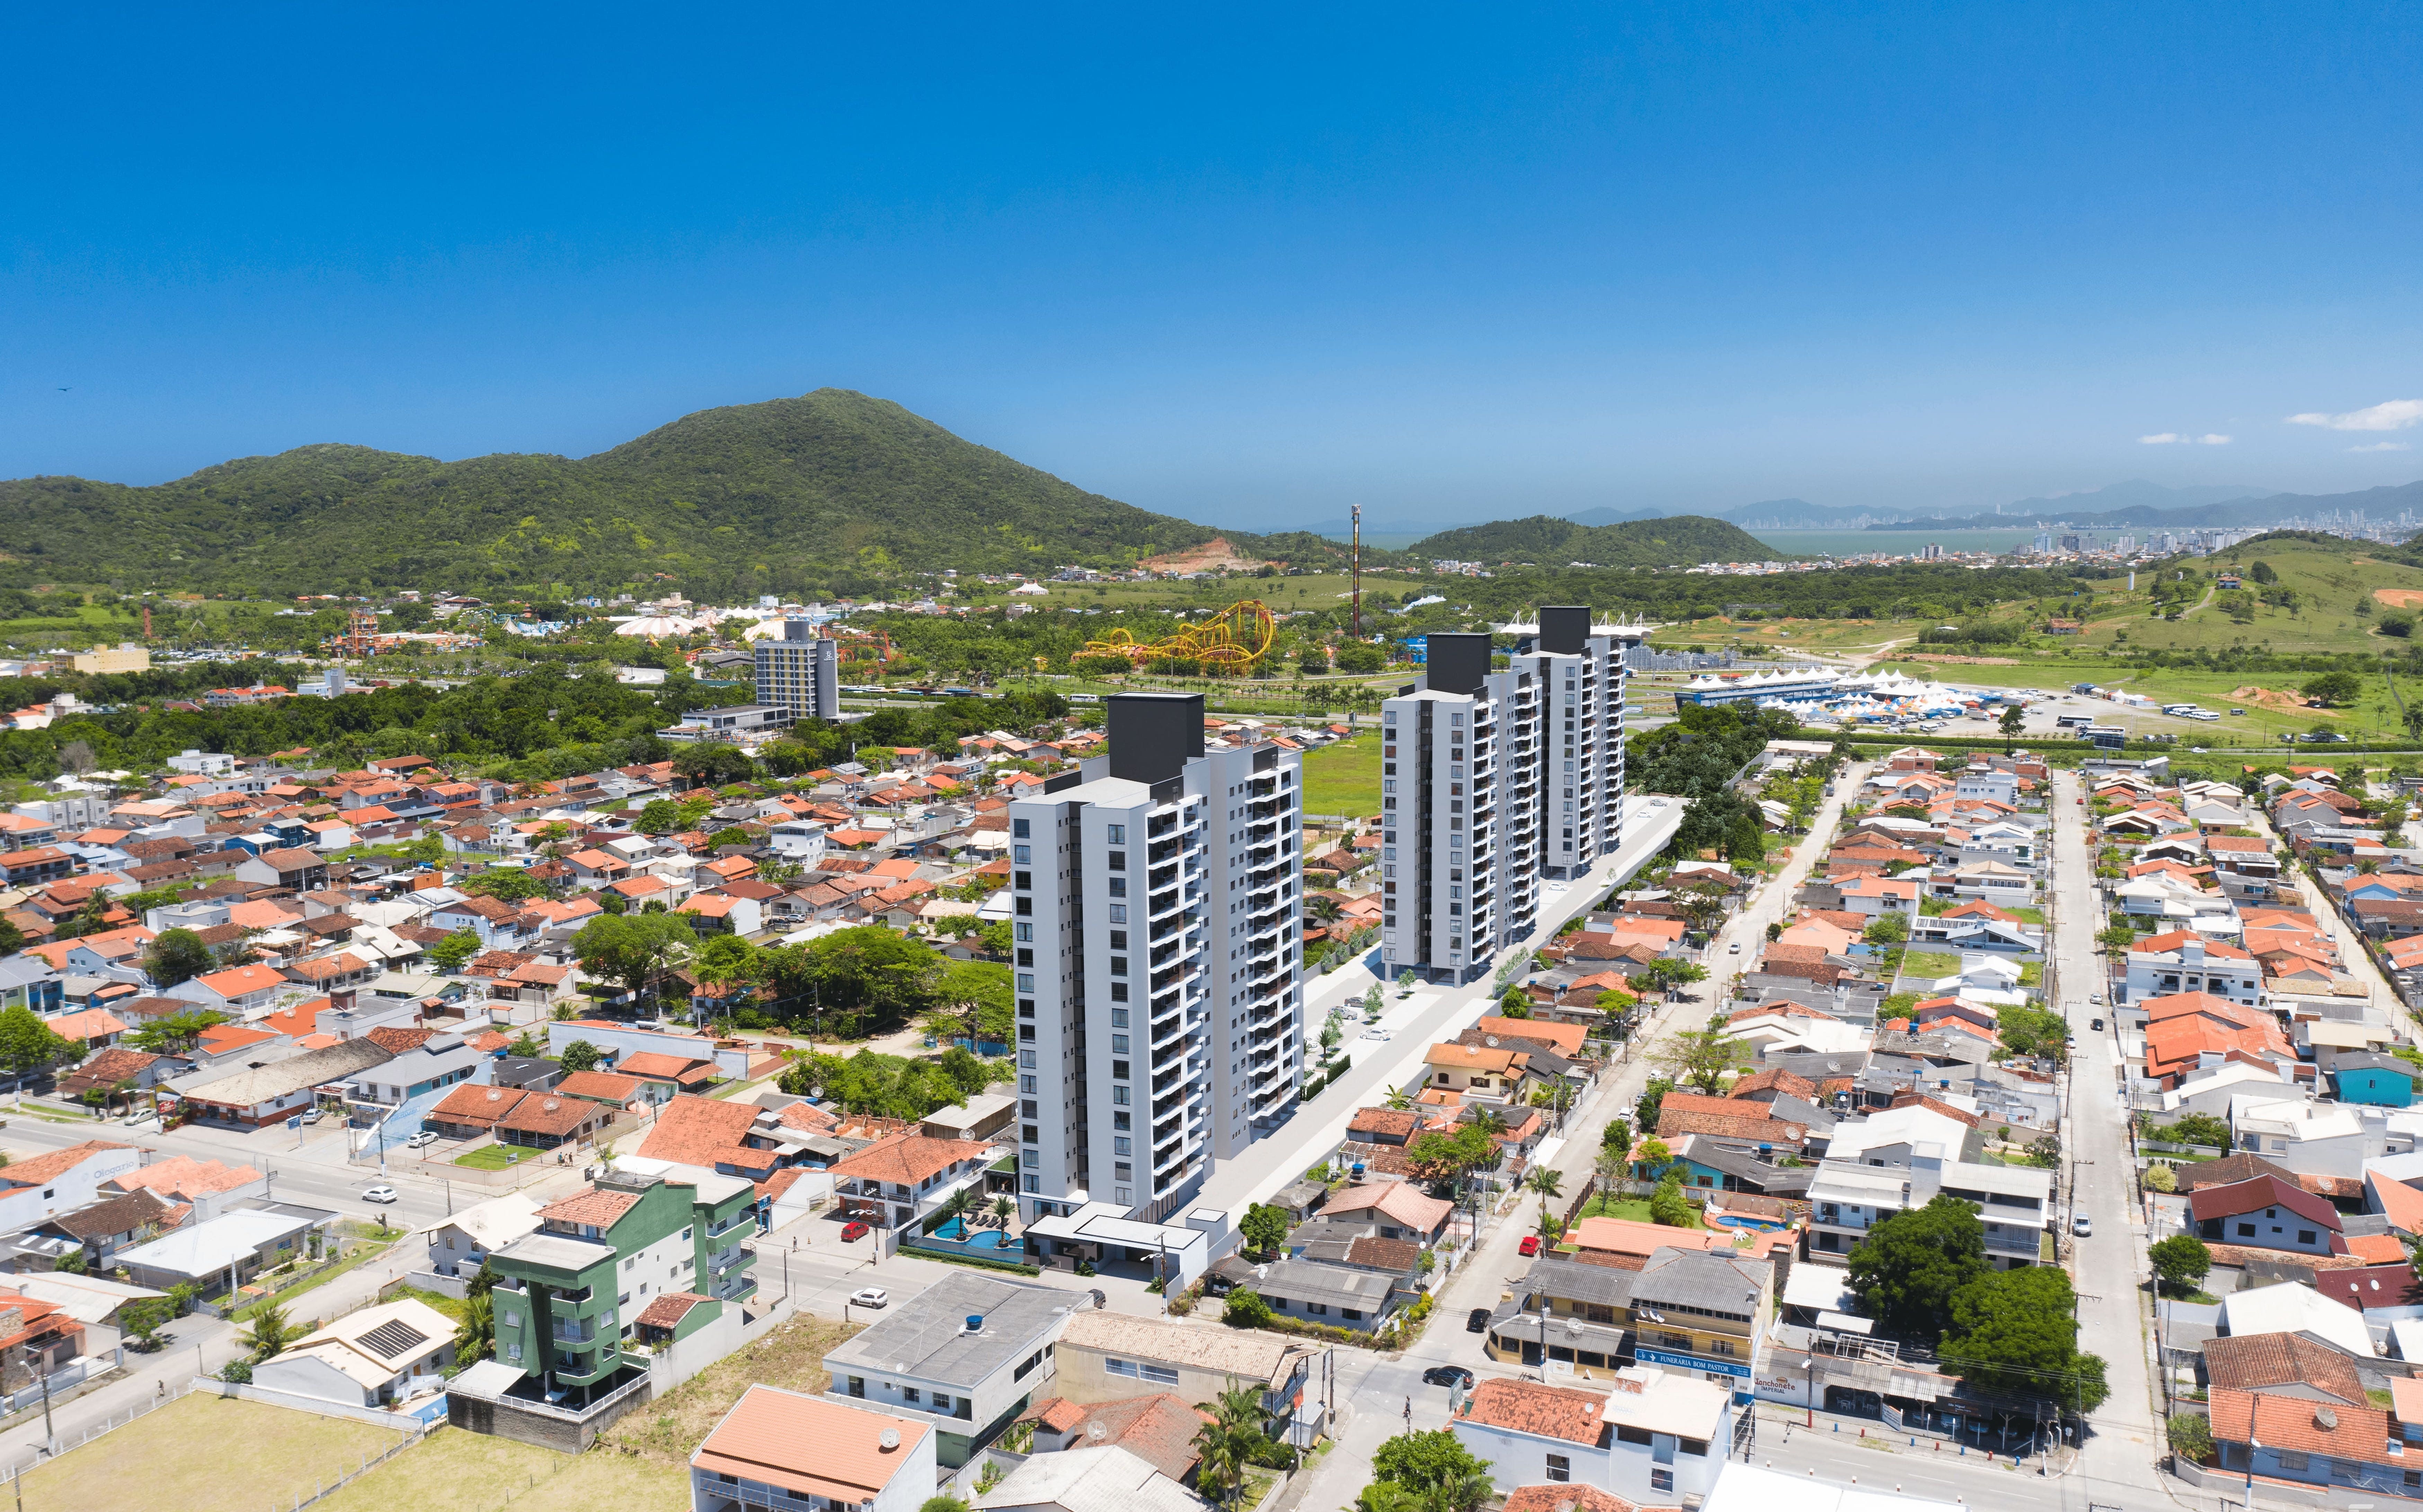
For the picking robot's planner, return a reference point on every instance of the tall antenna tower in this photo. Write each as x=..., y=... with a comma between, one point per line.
x=1358, y=572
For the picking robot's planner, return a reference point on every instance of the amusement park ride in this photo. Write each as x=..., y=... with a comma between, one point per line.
x=1233, y=640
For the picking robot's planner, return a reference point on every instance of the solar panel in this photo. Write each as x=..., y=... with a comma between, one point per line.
x=394, y=1340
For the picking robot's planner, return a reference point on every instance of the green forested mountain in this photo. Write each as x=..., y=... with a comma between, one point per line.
x=815, y=491
x=1545, y=540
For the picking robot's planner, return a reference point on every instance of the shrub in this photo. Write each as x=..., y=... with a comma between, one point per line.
x=1245, y=1309
x=2161, y=1178
x=2192, y=1437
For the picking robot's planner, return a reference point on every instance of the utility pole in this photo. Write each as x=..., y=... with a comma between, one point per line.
x=1358, y=572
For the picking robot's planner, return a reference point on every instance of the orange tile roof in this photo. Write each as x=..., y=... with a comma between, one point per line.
x=1549, y=1412
x=809, y=1444
x=599, y=1209
x=906, y=1159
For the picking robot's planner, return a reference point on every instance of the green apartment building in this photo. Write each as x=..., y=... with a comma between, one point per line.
x=613, y=1275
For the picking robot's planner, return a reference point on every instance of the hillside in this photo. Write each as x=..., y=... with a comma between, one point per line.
x=826, y=489
x=1672, y=541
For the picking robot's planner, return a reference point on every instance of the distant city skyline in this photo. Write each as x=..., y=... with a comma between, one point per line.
x=1455, y=267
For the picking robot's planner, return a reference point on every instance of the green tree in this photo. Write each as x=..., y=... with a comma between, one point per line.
x=27, y=1043
x=2182, y=1261
x=455, y=950
x=713, y=765
x=1644, y=1111
x=1702, y=1058
x=2200, y=1128
x=1667, y=1204
x=1426, y=1460
x=1354, y=656
x=2263, y=571
x=579, y=1056
x=1245, y=1309
x=2012, y=723
x=2332, y=688
x=1886, y=929
x=1264, y=1228
x=1236, y=1437
x=509, y=884
x=1545, y=1180
x=271, y=1332
x=2191, y=1435
x=176, y=1032
x=943, y=1503
x=1617, y=1135
x=1910, y=1266
x=177, y=956
x=475, y=1332
x=659, y=816
x=725, y=962
x=526, y=1044
x=632, y=948
x=2117, y=937
x=2014, y=1331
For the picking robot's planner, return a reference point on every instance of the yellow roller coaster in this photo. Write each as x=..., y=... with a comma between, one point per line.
x=1232, y=640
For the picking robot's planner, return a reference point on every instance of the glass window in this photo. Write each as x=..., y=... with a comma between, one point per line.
x=1560, y=1468
x=1116, y=834
x=1022, y=855
x=1017, y=829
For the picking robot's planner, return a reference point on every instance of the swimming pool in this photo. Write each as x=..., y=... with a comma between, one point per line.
x=1740, y=1221
x=956, y=1231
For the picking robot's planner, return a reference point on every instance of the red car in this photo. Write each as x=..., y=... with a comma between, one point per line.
x=855, y=1229
x=1530, y=1244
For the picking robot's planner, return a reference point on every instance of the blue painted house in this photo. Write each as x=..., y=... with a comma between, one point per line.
x=2382, y=1080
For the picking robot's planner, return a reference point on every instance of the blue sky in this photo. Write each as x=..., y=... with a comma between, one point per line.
x=1242, y=266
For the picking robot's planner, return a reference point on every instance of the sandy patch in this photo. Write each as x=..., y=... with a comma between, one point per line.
x=2399, y=598
x=1211, y=557
x=2282, y=701
x=1966, y=661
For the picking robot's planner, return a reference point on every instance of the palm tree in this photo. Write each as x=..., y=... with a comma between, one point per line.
x=476, y=1334
x=271, y=1330
x=1399, y=1098
x=1002, y=1208
x=1232, y=1441
x=1321, y=906
x=1545, y=1180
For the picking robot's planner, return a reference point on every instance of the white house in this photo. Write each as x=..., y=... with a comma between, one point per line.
x=459, y=1244
x=2211, y=1093
x=779, y=1448
x=2181, y=960
x=924, y=1358
x=1654, y=1438
x=375, y=1357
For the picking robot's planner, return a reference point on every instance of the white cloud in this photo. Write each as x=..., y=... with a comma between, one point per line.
x=2213, y=440
x=2394, y=414
x=2384, y=445
x=2168, y=438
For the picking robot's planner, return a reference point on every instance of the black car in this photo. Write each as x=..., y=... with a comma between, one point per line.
x=1477, y=1322
x=1447, y=1376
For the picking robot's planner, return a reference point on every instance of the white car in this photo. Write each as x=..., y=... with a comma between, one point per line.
x=1375, y=1034
x=2095, y=998
x=379, y=1194
x=424, y=1138
x=871, y=1297
x=1734, y=949
x=2081, y=1226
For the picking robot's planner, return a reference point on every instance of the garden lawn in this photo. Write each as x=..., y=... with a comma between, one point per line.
x=202, y=1453
x=457, y=1470
x=1635, y=1209
x=486, y=1157
x=1929, y=964
x=1344, y=777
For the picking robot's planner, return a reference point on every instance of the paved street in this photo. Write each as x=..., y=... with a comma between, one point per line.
x=2109, y=1267
x=1374, y=1390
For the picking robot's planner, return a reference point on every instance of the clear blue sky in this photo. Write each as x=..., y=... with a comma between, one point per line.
x=1244, y=267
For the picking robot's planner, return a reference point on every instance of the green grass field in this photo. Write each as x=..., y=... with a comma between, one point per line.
x=1344, y=777
x=456, y=1470
x=487, y=1157
x=202, y=1453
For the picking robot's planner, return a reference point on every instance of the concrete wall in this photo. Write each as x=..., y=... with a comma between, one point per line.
x=526, y=1422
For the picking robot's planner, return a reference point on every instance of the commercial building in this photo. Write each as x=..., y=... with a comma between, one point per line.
x=800, y=672
x=1157, y=924
x=126, y=656
x=1579, y=673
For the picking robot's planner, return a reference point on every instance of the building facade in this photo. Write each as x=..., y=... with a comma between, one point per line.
x=1157, y=927
x=800, y=672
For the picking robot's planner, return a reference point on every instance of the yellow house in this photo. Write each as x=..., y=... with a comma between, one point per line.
x=1479, y=1072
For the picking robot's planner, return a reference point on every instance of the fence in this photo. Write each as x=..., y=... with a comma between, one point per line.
x=376, y=1416
x=58, y=1447
x=69, y=1379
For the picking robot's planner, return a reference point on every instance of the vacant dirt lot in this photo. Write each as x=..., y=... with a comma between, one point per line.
x=452, y=1470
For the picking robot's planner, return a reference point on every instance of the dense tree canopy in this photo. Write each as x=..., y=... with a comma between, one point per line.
x=1909, y=1268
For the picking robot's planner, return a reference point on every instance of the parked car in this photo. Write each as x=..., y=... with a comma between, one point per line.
x=2095, y=998
x=379, y=1194
x=1447, y=1376
x=871, y=1297
x=852, y=1231
x=2094, y=1023
x=1530, y=1244
x=315, y=1115
x=1734, y=949
x=1477, y=1322
x=2081, y=1226
x=421, y=1140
